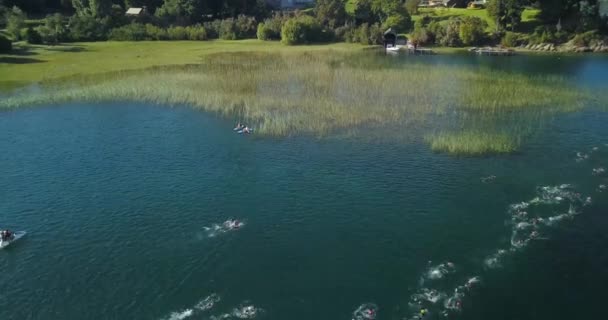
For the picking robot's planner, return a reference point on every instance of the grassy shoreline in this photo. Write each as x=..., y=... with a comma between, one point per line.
x=36, y=63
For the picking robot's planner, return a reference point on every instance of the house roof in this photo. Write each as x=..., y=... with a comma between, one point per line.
x=390, y=31
x=135, y=11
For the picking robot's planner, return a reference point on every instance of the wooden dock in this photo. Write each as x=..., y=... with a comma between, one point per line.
x=409, y=50
x=493, y=51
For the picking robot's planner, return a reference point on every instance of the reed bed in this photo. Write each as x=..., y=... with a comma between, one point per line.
x=320, y=93
x=473, y=143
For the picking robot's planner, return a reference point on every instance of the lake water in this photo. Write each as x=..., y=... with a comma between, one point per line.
x=124, y=205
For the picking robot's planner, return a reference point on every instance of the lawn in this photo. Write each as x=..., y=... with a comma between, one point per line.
x=441, y=14
x=29, y=64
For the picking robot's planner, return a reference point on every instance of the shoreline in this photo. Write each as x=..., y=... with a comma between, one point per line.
x=36, y=64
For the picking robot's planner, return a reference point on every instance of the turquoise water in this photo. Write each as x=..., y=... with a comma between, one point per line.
x=124, y=205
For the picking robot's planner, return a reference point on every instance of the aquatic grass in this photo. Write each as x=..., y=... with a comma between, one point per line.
x=473, y=143
x=320, y=93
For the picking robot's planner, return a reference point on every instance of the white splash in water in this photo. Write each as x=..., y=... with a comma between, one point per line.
x=488, y=179
x=227, y=226
x=208, y=302
x=581, y=156
x=246, y=312
x=366, y=311
x=180, y=315
x=441, y=270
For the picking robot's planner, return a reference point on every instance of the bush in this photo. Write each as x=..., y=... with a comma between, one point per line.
x=345, y=33
x=88, y=28
x=156, y=33
x=263, y=32
x=53, y=31
x=275, y=24
x=399, y=22
x=548, y=34
x=5, y=44
x=213, y=28
x=228, y=29
x=362, y=34
x=177, y=33
x=511, y=39
x=451, y=34
x=32, y=36
x=437, y=31
x=15, y=21
x=130, y=32
x=196, y=32
x=412, y=6
x=270, y=29
x=586, y=39
x=376, y=34
x=421, y=36
x=246, y=27
x=472, y=30
x=303, y=29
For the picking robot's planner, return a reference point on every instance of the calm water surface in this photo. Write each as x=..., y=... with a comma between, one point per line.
x=120, y=202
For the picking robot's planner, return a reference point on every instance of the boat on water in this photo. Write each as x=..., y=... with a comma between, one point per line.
x=13, y=238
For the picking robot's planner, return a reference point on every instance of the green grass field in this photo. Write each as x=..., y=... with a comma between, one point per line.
x=29, y=64
x=442, y=14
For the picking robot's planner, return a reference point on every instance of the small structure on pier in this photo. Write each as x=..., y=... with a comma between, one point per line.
x=390, y=38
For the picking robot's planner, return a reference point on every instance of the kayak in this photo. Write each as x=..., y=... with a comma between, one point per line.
x=243, y=132
x=16, y=236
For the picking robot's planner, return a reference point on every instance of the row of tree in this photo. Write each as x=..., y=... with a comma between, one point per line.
x=349, y=20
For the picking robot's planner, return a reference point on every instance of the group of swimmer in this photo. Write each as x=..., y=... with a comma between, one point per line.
x=233, y=224
x=242, y=128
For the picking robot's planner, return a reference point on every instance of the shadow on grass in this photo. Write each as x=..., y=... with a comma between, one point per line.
x=21, y=50
x=66, y=48
x=19, y=60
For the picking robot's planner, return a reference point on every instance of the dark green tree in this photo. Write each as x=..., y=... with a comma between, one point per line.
x=180, y=12
x=330, y=12
x=412, y=6
x=95, y=8
x=506, y=13
x=15, y=21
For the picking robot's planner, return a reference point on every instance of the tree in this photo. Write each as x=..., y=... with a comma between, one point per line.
x=399, y=22
x=95, y=8
x=449, y=35
x=53, y=31
x=180, y=12
x=392, y=13
x=2, y=13
x=330, y=12
x=87, y=28
x=15, y=21
x=359, y=10
x=5, y=44
x=505, y=12
x=471, y=30
x=412, y=6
